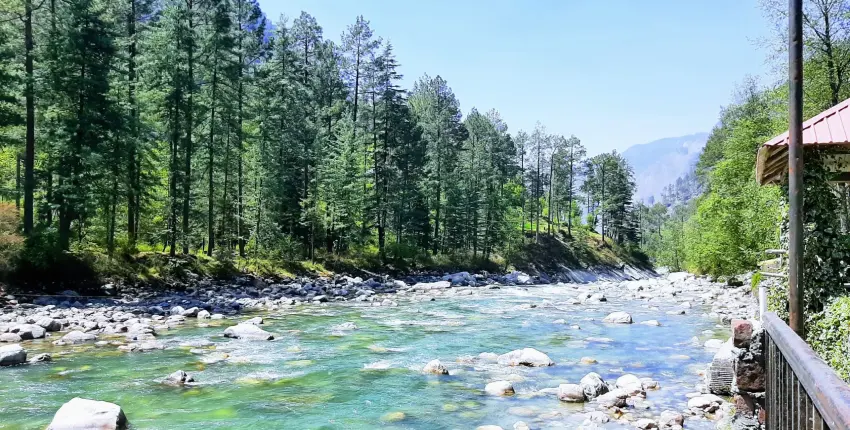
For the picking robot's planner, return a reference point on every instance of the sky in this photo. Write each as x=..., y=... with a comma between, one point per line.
x=612, y=72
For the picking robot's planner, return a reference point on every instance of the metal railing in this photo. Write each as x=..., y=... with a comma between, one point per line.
x=801, y=390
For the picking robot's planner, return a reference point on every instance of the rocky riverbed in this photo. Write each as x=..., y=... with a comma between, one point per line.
x=460, y=351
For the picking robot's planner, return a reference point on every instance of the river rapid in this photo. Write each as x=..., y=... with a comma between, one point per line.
x=321, y=372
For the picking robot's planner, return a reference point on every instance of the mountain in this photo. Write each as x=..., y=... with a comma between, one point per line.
x=659, y=163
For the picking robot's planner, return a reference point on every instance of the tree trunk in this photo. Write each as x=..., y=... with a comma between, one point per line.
x=29, y=157
x=132, y=173
x=211, y=155
x=187, y=180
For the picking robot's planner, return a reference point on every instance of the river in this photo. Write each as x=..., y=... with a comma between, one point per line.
x=316, y=375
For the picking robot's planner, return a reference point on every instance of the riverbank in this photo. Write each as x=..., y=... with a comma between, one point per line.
x=379, y=346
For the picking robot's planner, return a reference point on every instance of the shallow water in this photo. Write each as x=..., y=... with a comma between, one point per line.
x=315, y=377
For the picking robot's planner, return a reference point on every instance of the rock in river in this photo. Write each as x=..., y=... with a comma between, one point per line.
x=499, y=388
x=435, y=367
x=525, y=357
x=178, y=378
x=247, y=331
x=593, y=385
x=10, y=337
x=572, y=393
x=75, y=337
x=11, y=355
x=28, y=331
x=88, y=414
x=618, y=318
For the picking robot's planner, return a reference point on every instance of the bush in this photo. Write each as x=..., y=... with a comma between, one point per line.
x=11, y=241
x=829, y=335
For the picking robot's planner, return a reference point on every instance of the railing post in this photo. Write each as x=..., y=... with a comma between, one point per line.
x=762, y=301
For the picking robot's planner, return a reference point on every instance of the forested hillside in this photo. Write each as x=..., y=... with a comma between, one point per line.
x=205, y=128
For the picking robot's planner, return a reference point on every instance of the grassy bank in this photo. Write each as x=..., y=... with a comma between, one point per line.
x=89, y=268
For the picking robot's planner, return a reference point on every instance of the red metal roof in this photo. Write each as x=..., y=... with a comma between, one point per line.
x=830, y=127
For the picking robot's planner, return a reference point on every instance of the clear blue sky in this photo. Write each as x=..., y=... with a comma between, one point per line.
x=614, y=73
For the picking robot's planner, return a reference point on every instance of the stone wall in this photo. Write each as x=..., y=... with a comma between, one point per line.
x=748, y=388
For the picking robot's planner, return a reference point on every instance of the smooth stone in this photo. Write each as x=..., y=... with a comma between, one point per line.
x=572, y=393
x=435, y=367
x=645, y=423
x=525, y=357
x=28, y=331
x=588, y=360
x=178, y=378
x=254, y=321
x=499, y=388
x=75, y=337
x=521, y=425
x=618, y=318
x=11, y=355
x=247, y=331
x=653, y=323
x=671, y=419
x=593, y=385
x=203, y=315
x=41, y=358
x=49, y=324
x=392, y=417
x=80, y=414
x=10, y=337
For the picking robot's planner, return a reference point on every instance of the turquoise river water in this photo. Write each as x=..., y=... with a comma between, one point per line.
x=315, y=377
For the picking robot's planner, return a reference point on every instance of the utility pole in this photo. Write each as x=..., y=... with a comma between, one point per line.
x=796, y=317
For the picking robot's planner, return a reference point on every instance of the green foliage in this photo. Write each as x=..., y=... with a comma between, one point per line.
x=828, y=333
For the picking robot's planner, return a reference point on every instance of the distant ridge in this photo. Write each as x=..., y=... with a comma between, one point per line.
x=658, y=163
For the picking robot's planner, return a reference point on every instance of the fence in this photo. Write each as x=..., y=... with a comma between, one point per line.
x=802, y=391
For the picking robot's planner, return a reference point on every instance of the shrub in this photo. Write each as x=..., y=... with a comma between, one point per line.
x=11, y=241
x=829, y=335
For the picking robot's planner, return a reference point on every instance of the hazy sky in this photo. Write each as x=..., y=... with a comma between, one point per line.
x=613, y=72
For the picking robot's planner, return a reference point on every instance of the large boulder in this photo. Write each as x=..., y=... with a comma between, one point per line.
x=427, y=286
x=630, y=383
x=572, y=393
x=28, y=331
x=499, y=388
x=435, y=367
x=49, y=324
x=525, y=357
x=459, y=278
x=203, y=315
x=247, y=331
x=75, y=337
x=11, y=355
x=618, y=318
x=593, y=385
x=79, y=414
x=518, y=278
x=10, y=337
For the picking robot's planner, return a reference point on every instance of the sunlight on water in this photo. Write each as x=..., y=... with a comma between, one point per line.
x=320, y=375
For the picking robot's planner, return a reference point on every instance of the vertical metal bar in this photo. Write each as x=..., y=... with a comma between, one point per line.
x=816, y=419
x=795, y=404
x=806, y=408
x=796, y=318
x=770, y=403
x=773, y=411
x=768, y=380
x=780, y=409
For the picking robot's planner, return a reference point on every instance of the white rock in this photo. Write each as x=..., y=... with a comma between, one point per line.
x=79, y=414
x=499, y=388
x=11, y=355
x=203, y=315
x=645, y=423
x=247, y=331
x=618, y=318
x=671, y=419
x=593, y=386
x=435, y=367
x=75, y=337
x=572, y=393
x=653, y=323
x=525, y=357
